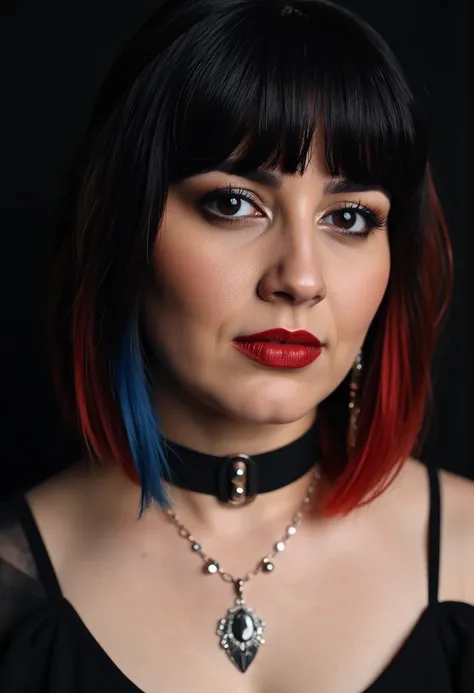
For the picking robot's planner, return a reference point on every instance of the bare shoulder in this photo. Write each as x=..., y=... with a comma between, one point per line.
x=457, y=494
x=456, y=579
x=58, y=491
x=85, y=503
x=63, y=507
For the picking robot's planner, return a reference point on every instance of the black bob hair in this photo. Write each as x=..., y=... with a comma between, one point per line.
x=202, y=82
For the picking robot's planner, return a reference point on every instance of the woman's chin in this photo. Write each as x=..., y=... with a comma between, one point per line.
x=264, y=409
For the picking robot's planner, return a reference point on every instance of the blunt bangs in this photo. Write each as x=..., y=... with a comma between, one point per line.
x=283, y=82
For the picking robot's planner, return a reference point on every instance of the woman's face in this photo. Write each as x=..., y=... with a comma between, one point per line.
x=273, y=251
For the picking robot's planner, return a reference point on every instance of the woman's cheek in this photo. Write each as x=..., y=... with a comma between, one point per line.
x=358, y=297
x=197, y=280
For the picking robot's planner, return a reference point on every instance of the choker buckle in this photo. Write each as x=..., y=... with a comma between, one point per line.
x=238, y=480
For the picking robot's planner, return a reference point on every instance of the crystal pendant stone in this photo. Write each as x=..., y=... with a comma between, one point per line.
x=242, y=626
x=241, y=633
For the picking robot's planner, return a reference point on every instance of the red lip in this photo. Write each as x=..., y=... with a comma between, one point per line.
x=280, y=348
x=281, y=335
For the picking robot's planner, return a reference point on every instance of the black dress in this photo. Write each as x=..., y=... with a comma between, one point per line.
x=46, y=648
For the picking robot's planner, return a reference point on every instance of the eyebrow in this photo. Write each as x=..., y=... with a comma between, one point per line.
x=336, y=186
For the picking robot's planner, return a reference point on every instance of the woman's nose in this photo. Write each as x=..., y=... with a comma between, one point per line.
x=296, y=275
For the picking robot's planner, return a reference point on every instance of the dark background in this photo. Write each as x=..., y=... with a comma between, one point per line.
x=53, y=59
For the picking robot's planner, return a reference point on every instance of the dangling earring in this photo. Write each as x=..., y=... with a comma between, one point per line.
x=354, y=407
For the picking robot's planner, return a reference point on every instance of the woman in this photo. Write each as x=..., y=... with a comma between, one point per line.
x=246, y=293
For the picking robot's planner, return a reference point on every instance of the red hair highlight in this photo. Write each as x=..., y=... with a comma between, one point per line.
x=400, y=385
x=99, y=420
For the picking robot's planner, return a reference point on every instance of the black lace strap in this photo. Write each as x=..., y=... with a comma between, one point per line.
x=39, y=552
x=434, y=533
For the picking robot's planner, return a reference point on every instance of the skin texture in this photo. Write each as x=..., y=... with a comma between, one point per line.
x=286, y=263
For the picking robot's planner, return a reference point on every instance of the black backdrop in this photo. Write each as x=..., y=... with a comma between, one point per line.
x=53, y=58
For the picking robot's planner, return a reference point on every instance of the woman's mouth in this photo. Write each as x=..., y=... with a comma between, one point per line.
x=280, y=348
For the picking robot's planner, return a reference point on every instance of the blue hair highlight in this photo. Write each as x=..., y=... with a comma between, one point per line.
x=140, y=419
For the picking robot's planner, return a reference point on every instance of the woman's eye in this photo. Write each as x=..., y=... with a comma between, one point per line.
x=230, y=204
x=234, y=205
x=357, y=221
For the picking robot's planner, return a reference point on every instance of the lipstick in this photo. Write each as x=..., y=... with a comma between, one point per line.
x=280, y=348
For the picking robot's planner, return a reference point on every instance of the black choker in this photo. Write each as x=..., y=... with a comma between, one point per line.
x=237, y=479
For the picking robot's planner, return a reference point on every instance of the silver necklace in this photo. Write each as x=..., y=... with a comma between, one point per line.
x=241, y=630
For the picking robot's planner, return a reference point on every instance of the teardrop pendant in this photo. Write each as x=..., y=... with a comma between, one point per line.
x=241, y=632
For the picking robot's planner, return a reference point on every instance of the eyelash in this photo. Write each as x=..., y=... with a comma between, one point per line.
x=373, y=217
